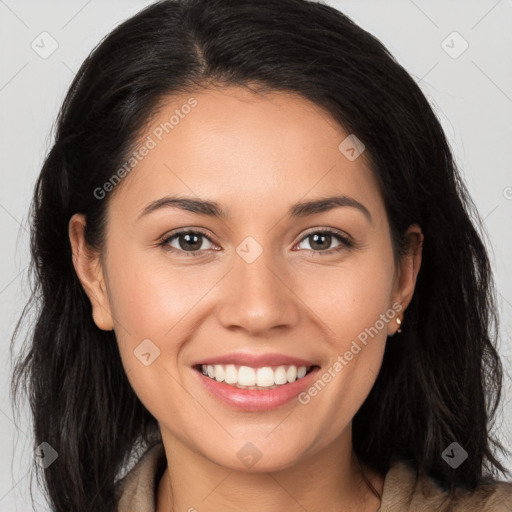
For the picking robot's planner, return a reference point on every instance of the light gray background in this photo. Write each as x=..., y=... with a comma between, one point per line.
x=472, y=95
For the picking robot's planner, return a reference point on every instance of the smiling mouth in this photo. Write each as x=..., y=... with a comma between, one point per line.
x=261, y=378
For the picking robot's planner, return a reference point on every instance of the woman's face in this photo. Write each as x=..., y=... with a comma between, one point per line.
x=261, y=291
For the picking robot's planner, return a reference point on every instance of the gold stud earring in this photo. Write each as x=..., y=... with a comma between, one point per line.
x=399, y=322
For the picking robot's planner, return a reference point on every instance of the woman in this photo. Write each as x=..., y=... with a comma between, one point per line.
x=257, y=269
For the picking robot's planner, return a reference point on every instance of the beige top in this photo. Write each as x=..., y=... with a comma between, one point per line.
x=136, y=492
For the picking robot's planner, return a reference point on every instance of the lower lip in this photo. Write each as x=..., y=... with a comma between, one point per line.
x=252, y=400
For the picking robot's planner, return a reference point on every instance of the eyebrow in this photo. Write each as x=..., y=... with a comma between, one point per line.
x=214, y=209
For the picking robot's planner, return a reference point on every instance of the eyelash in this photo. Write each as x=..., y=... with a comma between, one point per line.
x=345, y=242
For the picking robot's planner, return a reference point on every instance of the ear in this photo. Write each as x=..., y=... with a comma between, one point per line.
x=88, y=268
x=409, y=267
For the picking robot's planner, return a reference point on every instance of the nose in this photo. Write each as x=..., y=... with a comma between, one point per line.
x=258, y=297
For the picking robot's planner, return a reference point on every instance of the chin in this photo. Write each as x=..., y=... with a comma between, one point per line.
x=256, y=457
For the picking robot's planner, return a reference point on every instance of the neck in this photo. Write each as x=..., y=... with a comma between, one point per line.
x=329, y=479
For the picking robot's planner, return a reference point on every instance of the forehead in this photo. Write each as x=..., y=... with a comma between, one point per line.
x=244, y=150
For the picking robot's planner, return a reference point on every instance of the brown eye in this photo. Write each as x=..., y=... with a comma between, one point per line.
x=189, y=243
x=320, y=241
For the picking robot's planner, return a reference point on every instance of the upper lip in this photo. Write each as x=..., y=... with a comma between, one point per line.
x=255, y=360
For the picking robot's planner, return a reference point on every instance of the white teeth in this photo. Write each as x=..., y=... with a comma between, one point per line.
x=265, y=377
x=246, y=377
x=291, y=374
x=231, y=375
x=219, y=373
x=280, y=375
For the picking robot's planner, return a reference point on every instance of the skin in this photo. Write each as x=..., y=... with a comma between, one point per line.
x=256, y=155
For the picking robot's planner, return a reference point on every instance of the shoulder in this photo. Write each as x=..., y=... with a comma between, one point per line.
x=404, y=490
x=137, y=489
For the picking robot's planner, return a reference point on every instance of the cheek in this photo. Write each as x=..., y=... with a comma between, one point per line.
x=349, y=302
x=350, y=296
x=150, y=296
x=156, y=301
x=150, y=303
